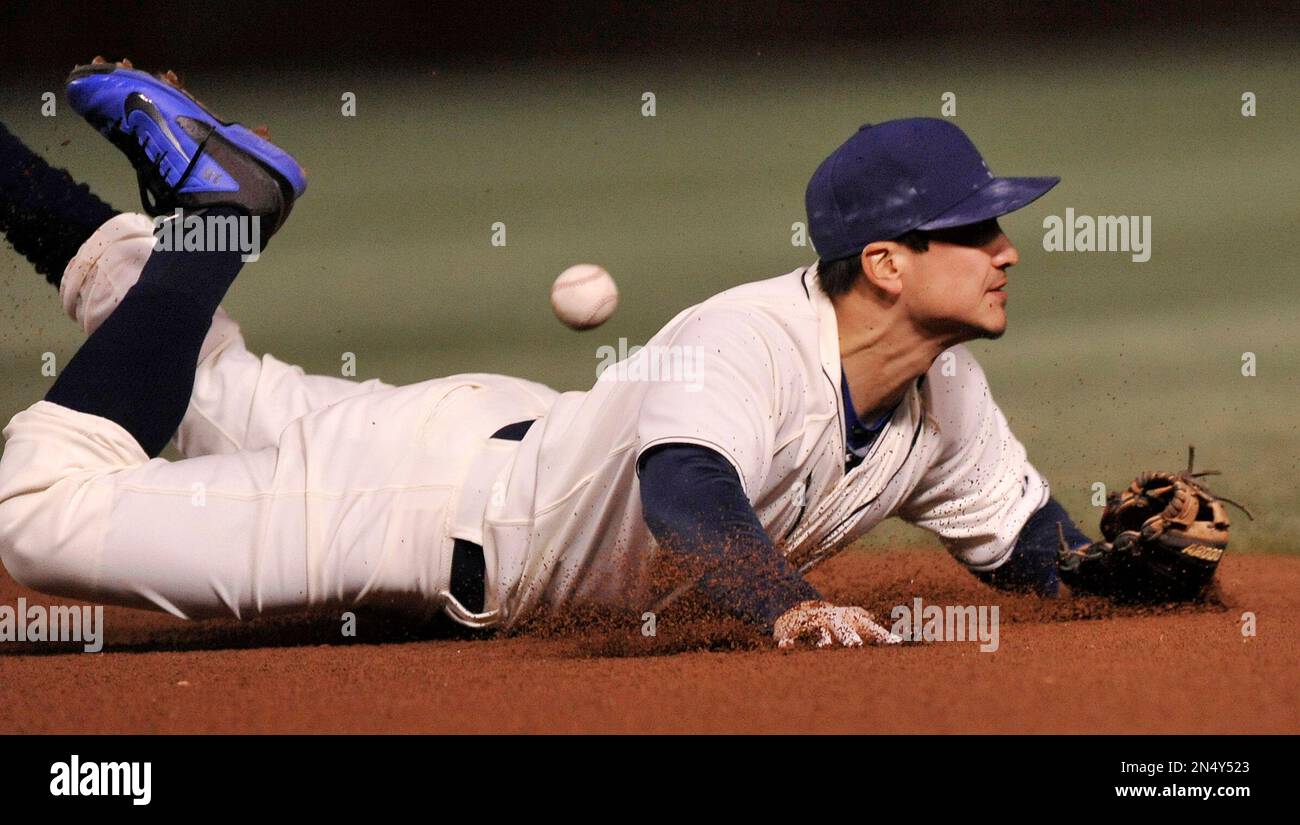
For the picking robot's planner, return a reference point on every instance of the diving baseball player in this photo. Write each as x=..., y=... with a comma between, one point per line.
x=823, y=401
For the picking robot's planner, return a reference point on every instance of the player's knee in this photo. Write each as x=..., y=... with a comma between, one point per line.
x=47, y=541
x=49, y=531
x=52, y=499
x=20, y=551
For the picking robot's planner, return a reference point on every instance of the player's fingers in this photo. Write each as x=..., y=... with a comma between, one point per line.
x=799, y=629
x=828, y=626
x=796, y=625
x=867, y=626
x=842, y=629
x=805, y=622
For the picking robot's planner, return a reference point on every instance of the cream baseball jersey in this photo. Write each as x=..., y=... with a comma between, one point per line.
x=752, y=373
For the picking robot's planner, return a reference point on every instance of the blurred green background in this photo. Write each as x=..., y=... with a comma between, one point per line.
x=1109, y=366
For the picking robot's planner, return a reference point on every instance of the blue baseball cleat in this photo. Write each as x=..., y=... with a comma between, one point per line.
x=184, y=155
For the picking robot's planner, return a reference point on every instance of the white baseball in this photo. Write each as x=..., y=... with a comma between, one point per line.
x=584, y=296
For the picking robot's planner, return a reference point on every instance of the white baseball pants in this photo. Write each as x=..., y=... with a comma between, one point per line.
x=295, y=490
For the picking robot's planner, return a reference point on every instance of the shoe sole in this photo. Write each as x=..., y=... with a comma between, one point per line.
x=272, y=158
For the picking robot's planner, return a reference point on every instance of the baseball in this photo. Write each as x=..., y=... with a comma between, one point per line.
x=584, y=296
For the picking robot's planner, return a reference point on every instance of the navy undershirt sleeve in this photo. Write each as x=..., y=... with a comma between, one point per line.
x=44, y=213
x=696, y=508
x=1032, y=564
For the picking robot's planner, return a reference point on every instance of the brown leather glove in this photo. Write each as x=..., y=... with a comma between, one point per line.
x=1164, y=536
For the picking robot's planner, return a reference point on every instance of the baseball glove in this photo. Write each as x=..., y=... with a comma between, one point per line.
x=1164, y=536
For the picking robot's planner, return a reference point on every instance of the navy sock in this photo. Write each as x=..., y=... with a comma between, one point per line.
x=138, y=368
x=44, y=213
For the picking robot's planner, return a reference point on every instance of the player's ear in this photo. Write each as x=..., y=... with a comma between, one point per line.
x=880, y=266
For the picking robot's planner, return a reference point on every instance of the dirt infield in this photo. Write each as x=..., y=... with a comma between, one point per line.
x=1070, y=666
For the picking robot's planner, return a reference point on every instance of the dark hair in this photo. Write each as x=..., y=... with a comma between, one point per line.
x=838, y=276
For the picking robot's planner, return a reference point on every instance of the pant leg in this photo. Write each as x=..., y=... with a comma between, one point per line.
x=243, y=401
x=240, y=401
x=351, y=505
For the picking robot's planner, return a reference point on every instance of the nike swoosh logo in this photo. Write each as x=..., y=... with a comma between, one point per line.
x=137, y=102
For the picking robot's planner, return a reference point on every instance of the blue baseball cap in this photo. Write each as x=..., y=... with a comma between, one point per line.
x=893, y=177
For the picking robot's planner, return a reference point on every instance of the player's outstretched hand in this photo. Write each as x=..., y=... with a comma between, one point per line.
x=826, y=624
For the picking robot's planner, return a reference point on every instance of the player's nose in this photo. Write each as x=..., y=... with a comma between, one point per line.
x=1004, y=252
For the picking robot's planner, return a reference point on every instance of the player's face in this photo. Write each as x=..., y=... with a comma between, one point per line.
x=958, y=286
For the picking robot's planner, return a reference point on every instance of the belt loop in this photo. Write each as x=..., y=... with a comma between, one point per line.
x=457, y=611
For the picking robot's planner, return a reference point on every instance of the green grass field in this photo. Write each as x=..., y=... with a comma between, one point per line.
x=1109, y=366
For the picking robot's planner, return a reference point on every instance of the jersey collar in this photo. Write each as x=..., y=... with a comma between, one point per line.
x=828, y=328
